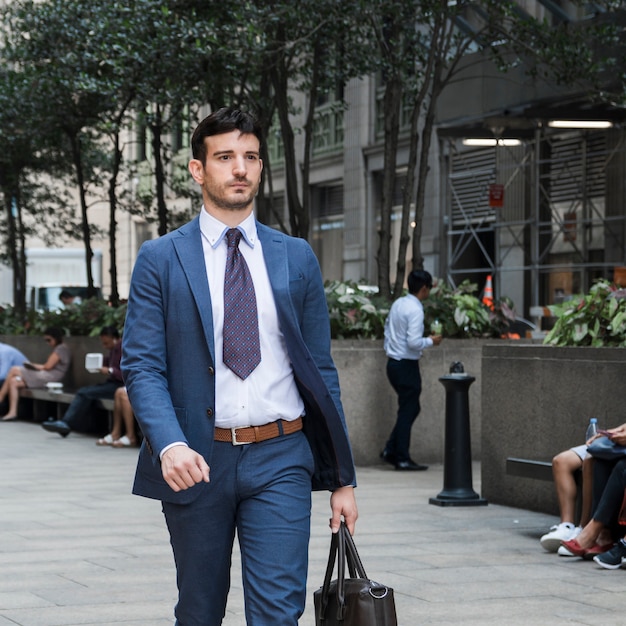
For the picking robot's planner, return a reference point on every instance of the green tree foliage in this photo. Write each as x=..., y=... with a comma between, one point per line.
x=100, y=69
x=421, y=46
x=28, y=150
x=313, y=47
x=67, y=95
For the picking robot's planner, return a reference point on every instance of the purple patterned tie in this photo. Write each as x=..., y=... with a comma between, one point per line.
x=242, y=349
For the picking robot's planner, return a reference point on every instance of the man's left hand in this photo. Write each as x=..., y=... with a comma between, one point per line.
x=343, y=502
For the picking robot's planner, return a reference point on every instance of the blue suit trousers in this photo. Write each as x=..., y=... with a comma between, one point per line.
x=261, y=492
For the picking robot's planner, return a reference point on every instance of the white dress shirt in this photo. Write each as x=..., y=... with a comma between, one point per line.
x=270, y=392
x=404, y=329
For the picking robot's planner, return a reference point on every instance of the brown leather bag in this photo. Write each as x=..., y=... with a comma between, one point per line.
x=352, y=601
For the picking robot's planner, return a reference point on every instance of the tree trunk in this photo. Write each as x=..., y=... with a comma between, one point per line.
x=391, y=107
x=80, y=178
x=14, y=240
x=427, y=132
x=407, y=196
x=117, y=161
x=159, y=173
x=298, y=219
x=308, y=138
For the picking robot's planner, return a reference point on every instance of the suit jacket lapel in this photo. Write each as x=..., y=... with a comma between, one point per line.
x=188, y=246
x=276, y=262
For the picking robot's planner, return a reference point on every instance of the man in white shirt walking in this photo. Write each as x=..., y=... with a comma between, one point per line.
x=404, y=344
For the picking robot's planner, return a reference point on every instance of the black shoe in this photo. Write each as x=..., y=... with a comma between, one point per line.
x=410, y=466
x=57, y=426
x=388, y=457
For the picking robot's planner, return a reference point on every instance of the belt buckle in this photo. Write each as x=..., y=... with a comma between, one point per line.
x=233, y=432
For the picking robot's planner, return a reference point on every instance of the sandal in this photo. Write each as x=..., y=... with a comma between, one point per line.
x=105, y=441
x=123, y=442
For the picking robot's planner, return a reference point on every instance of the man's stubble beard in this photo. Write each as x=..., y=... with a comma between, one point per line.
x=225, y=204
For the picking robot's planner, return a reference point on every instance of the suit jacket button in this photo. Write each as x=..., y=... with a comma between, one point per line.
x=209, y=412
x=211, y=371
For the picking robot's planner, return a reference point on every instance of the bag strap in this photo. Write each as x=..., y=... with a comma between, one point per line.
x=355, y=565
x=337, y=547
x=341, y=576
x=342, y=549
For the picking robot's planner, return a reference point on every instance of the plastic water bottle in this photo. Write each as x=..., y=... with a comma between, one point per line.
x=592, y=429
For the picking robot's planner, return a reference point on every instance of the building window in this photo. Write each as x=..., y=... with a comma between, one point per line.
x=328, y=128
x=327, y=229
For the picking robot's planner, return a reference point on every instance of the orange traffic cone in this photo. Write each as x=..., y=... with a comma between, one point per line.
x=488, y=293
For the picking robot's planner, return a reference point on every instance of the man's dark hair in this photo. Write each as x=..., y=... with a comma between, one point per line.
x=224, y=120
x=109, y=331
x=65, y=294
x=417, y=279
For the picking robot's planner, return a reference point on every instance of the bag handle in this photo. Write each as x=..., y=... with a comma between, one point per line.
x=355, y=565
x=342, y=549
x=337, y=546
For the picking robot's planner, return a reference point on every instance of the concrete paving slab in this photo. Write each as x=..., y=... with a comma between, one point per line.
x=76, y=548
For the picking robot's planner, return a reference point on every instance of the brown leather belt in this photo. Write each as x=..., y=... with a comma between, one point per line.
x=256, y=434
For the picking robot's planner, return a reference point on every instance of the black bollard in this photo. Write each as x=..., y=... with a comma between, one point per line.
x=457, y=469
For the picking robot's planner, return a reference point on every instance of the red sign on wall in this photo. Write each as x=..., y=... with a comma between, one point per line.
x=496, y=195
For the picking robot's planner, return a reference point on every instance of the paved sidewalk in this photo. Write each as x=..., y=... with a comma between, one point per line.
x=77, y=548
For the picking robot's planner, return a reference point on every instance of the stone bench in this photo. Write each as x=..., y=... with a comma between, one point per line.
x=542, y=470
x=46, y=403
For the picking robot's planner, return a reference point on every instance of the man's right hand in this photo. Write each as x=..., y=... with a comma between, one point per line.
x=183, y=467
x=436, y=339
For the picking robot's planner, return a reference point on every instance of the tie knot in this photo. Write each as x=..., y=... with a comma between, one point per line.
x=233, y=237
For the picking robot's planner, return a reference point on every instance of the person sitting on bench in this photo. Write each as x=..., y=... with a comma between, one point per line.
x=564, y=467
x=35, y=375
x=78, y=414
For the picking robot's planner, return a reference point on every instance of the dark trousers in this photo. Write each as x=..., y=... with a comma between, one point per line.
x=609, y=483
x=78, y=414
x=262, y=493
x=405, y=378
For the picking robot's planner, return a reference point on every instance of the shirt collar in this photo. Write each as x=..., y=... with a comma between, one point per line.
x=214, y=231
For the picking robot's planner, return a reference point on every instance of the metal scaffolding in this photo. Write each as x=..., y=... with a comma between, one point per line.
x=544, y=218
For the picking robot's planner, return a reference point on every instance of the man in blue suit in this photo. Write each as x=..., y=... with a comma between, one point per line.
x=230, y=452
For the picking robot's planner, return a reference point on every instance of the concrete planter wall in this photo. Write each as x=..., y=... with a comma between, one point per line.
x=528, y=401
x=537, y=401
x=369, y=400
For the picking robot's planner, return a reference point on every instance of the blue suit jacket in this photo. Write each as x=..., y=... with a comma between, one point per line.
x=169, y=356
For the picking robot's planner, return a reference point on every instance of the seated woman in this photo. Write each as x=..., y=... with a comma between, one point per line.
x=609, y=483
x=122, y=416
x=36, y=375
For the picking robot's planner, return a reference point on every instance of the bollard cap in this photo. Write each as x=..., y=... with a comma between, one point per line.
x=456, y=367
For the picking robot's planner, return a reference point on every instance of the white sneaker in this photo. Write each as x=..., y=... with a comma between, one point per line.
x=551, y=541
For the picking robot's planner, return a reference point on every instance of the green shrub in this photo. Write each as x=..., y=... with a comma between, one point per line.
x=596, y=319
x=84, y=319
x=356, y=312
x=460, y=312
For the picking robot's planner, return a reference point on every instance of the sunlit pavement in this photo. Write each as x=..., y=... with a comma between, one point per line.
x=77, y=548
